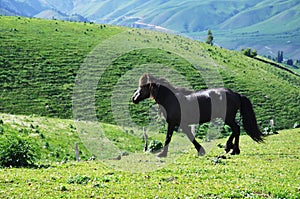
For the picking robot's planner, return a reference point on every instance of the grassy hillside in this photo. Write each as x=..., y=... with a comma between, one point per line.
x=269, y=170
x=56, y=138
x=39, y=61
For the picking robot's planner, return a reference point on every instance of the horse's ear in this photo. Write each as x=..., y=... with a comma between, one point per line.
x=146, y=79
x=151, y=79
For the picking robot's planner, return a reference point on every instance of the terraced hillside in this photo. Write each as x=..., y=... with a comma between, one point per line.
x=40, y=59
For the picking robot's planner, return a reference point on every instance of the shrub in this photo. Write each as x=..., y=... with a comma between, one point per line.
x=16, y=151
x=269, y=130
x=202, y=130
x=155, y=145
x=212, y=130
x=78, y=179
x=249, y=52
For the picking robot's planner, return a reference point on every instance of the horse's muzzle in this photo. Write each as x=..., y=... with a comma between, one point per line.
x=134, y=100
x=135, y=97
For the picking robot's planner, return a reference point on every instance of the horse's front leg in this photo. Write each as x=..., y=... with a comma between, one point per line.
x=191, y=136
x=164, y=153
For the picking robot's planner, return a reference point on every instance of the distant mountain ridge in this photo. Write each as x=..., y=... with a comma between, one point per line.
x=268, y=25
x=40, y=9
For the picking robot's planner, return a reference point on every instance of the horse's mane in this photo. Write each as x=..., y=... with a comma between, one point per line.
x=150, y=79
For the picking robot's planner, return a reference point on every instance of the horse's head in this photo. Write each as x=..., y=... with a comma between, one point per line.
x=146, y=89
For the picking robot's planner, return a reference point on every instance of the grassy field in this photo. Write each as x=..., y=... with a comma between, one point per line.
x=40, y=59
x=39, y=63
x=268, y=170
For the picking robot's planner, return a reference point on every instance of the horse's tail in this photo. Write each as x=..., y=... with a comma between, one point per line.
x=249, y=120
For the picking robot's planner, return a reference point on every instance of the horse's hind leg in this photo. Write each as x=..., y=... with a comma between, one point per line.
x=191, y=137
x=236, y=148
x=236, y=136
x=229, y=143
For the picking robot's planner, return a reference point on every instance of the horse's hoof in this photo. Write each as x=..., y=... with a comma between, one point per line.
x=228, y=147
x=162, y=154
x=235, y=152
x=201, y=152
x=221, y=157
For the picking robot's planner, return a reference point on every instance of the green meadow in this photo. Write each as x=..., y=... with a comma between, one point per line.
x=267, y=170
x=40, y=61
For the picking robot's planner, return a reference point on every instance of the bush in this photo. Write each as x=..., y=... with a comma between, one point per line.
x=202, y=130
x=249, y=52
x=78, y=179
x=16, y=151
x=269, y=130
x=213, y=130
x=155, y=146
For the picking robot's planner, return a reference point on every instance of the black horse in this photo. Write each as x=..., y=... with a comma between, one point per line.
x=182, y=107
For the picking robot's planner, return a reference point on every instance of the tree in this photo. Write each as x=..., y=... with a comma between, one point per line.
x=290, y=62
x=249, y=52
x=210, y=38
x=280, y=57
x=254, y=53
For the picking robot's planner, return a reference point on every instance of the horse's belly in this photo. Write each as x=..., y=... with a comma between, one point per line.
x=192, y=114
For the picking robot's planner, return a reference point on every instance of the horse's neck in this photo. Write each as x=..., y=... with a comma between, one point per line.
x=165, y=96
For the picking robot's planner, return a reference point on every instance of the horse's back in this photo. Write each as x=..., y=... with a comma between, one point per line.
x=217, y=103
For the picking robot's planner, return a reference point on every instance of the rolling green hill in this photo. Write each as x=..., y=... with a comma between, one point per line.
x=40, y=59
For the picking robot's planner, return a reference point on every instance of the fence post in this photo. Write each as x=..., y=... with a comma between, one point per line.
x=77, y=152
x=272, y=124
x=146, y=139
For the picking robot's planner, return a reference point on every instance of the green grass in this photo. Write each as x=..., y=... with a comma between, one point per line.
x=269, y=170
x=38, y=65
x=40, y=60
x=56, y=138
x=295, y=69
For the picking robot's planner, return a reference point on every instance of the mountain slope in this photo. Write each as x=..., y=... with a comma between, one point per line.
x=12, y=7
x=274, y=22
x=40, y=9
x=263, y=11
x=40, y=60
